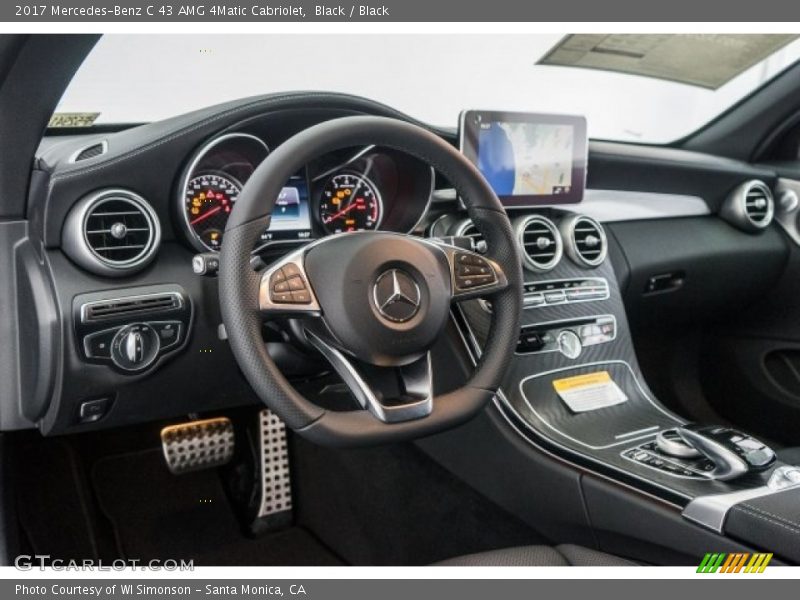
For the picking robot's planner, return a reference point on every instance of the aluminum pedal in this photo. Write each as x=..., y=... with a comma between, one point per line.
x=276, y=485
x=198, y=445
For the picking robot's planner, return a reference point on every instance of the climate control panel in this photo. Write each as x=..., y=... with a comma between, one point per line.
x=564, y=291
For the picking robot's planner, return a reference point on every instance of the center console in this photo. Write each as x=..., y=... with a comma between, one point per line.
x=574, y=387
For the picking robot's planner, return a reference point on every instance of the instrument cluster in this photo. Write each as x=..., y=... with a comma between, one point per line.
x=353, y=189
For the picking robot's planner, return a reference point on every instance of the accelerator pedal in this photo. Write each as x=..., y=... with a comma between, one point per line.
x=198, y=445
x=275, y=505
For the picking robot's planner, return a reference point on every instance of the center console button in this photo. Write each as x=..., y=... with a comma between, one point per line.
x=554, y=297
x=535, y=299
x=569, y=344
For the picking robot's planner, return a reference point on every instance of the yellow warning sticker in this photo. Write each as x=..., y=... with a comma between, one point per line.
x=570, y=383
x=591, y=391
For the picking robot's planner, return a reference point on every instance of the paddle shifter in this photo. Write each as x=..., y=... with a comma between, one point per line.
x=733, y=453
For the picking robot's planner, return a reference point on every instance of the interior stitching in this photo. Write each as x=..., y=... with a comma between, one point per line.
x=778, y=517
x=757, y=514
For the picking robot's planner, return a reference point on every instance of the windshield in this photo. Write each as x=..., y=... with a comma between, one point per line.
x=643, y=88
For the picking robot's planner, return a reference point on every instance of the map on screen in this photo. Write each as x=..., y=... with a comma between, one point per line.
x=527, y=159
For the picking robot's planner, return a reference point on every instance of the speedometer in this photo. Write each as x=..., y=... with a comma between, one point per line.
x=350, y=202
x=208, y=201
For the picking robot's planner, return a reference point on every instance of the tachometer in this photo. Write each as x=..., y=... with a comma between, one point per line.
x=209, y=200
x=350, y=202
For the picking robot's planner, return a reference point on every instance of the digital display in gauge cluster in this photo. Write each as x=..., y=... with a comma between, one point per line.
x=291, y=216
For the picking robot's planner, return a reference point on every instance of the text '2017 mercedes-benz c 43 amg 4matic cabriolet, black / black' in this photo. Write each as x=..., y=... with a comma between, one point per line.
x=470, y=303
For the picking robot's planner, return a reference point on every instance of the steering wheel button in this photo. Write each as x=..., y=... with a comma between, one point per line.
x=282, y=298
x=465, y=282
x=296, y=283
x=301, y=297
x=277, y=277
x=483, y=279
x=280, y=287
x=291, y=270
x=466, y=270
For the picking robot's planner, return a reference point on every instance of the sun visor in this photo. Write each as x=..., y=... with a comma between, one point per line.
x=704, y=60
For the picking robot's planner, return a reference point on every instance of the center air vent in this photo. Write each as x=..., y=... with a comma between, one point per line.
x=749, y=206
x=467, y=229
x=585, y=240
x=113, y=232
x=540, y=242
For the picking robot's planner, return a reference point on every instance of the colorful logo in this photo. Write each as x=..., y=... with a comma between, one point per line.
x=737, y=562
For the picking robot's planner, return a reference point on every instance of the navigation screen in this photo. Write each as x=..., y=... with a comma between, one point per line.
x=528, y=159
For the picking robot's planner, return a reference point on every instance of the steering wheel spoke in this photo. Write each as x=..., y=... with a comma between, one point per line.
x=285, y=288
x=390, y=394
x=472, y=275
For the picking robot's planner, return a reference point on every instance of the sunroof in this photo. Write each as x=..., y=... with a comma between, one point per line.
x=703, y=60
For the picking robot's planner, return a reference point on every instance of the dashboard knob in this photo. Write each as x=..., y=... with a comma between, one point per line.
x=135, y=347
x=569, y=344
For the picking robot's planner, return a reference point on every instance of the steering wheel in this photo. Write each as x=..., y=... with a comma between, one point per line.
x=373, y=303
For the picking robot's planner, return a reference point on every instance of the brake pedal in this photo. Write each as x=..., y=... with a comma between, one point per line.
x=275, y=507
x=198, y=445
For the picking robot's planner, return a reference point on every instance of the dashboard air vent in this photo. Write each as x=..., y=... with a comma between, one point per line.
x=467, y=229
x=585, y=240
x=540, y=242
x=758, y=204
x=750, y=206
x=90, y=151
x=132, y=305
x=113, y=232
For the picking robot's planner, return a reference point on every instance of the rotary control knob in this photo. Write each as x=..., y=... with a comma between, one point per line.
x=569, y=344
x=135, y=347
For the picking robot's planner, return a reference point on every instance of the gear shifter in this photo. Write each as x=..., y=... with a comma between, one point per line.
x=733, y=453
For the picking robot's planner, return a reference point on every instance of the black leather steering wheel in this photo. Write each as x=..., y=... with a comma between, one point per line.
x=373, y=303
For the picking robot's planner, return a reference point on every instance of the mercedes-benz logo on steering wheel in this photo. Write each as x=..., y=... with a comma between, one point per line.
x=396, y=295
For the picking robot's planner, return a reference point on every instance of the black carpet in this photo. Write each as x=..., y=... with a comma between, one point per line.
x=393, y=505
x=158, y=515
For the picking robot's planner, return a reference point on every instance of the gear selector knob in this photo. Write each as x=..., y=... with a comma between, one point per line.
x=733, y=453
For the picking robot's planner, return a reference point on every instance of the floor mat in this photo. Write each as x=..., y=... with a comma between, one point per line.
x=392, y=505
x=157, y=515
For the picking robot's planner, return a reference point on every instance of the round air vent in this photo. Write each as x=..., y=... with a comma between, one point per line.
x=750, y=206
x=584, y=239
x=540, y=241
x=466, y=228
x=112, y=232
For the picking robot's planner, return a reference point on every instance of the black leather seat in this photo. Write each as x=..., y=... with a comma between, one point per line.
x=538, y=556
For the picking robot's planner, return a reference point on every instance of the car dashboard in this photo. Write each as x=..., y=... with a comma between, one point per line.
x=118, y=219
